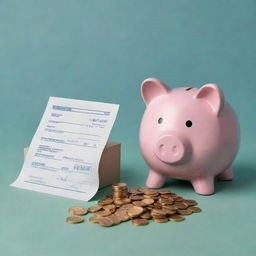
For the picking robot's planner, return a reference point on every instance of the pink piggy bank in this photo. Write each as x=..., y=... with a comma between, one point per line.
x=188, y=133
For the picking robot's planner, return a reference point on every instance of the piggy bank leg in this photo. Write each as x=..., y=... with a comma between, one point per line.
x=203, y=186
x=226, y=175
x=155, y=180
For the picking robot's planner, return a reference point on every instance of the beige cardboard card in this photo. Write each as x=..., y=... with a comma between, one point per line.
x=109, y=168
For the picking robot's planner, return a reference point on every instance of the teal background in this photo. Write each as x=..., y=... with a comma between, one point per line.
x=101, y=51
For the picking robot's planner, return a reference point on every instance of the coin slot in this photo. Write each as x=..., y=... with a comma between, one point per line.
x=189, y=88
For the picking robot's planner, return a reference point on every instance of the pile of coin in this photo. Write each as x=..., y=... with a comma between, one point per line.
x=119, y=191
x=138, y=205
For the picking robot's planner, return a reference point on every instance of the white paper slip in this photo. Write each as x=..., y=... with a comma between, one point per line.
x=65, y=152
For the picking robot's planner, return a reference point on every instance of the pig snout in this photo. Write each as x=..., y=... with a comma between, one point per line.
x=170, y=149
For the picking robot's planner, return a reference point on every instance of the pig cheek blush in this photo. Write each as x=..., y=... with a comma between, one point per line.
x=168, y=154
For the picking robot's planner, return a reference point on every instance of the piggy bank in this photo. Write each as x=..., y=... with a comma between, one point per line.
x=188, y=133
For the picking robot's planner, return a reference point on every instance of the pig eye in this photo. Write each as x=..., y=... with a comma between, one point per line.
x=188, y=123
x=160, y=120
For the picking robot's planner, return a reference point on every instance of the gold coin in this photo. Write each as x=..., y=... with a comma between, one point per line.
x=105, y=201
x=80, y=212
x=135, y=191
x=158, y=205
x=94, y=208
x=178, y=199
x=105, y=222
x=169, y=207
x=143, y=189
x=158, y=216
x=94, y=219
x=151, y=192
x=169, y=212
x=102, y=213
x=150, y=197
x=119, y=191
x=190, y=202
x=176, y=218
x=149, y=207
x=146, y=215
x=75, y=208
x=136, y=197
x=148, y=201
x=185, y=212
x=126, y=206
x=180, y=205
x=125, y=200
x=122, y=215
x=109, y=207
x=74, y=219
x=195, y=209
x=164, y=191
x=115, y=219
x=139, y=222
x=166, y=195
x=138, y=203
x=118, y=197
x=158, y=212
x=161, y=220
x=121, y=202
x=165, y=201
x=135, y=211
x=120, y=209
x=119, y=185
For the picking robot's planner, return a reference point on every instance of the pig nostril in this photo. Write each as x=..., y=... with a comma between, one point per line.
x=161, y=148
x=174, y=149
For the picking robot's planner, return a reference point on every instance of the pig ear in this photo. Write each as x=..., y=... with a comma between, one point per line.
x=151, y=88
x=213, y=95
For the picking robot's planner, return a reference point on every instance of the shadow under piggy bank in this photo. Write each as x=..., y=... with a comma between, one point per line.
x=244, y=179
